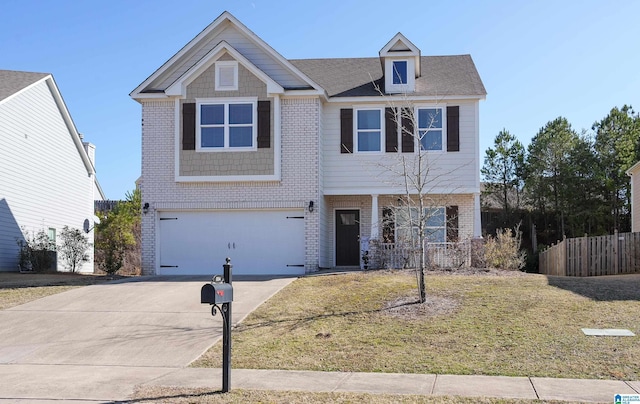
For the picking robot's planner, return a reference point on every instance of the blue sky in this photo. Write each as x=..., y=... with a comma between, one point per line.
x=538, y=59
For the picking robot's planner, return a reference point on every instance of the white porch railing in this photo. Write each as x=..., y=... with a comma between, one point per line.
x=440, y=255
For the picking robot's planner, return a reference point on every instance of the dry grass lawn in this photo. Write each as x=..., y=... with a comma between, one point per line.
x=17, y=288
x=181, y=396
x=523, y=325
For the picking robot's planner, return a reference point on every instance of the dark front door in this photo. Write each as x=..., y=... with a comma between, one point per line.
x=347, y=237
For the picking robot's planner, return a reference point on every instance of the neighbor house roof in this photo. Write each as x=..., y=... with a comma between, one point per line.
x=12, y=81
x=358, y=77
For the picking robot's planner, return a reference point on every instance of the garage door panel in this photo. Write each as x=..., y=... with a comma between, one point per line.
x=258, y=242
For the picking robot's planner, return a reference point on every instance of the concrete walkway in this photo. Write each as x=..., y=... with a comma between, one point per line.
x=593, y=391
x=97, y=343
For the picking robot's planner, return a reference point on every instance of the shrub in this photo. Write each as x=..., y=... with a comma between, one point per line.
x=503, y=251
x=37, y=251
x=73, y=248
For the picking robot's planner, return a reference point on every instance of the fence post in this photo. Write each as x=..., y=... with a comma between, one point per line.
x=586, y=254
x=565, y=249
x=616, y=244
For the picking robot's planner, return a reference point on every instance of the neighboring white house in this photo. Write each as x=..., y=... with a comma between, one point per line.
x=278, y=164
x=634, y=173
x=47, y=174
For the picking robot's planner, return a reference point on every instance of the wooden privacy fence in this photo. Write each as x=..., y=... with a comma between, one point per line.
x=593, y=256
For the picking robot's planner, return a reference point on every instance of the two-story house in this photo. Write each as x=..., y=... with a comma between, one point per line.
x=285, y=166
x=47, y=171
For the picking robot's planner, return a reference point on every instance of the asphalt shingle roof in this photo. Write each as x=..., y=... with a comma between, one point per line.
x=358, y=77
x=12, y=81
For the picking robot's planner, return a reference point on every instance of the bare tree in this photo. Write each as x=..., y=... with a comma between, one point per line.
x=425, y=184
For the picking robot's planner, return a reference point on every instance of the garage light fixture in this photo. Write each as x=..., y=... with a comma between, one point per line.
x=145, y=208
x=310, y=206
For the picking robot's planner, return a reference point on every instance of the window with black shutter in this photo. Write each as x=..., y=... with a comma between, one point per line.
x=189, y=126
x=408, y=138
x=264, y=124
x=346, y=130
x=453, y=128
x=452, y=223
x=391, y=130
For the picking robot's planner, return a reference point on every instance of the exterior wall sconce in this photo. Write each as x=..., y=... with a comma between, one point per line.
x=310, y=206
x=145, y=208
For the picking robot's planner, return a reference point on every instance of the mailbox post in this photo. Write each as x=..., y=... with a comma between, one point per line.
x=220, y=295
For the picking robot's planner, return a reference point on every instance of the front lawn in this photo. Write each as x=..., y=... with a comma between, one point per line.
x=17, y=288
x=519, y=325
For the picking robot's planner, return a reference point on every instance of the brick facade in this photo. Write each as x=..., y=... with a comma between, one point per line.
x=298, y=185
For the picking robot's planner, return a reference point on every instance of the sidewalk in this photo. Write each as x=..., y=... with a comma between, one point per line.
x=591, y=391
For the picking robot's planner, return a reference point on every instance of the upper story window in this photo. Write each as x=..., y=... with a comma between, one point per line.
x=368, y=129
x=430, y=128
x=226, y=75
x=399, y=72
x=399, y=76
x=227, y=125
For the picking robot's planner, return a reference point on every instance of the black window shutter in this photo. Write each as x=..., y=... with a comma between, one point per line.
x=408, y=139
x=264, y=124
x=452, y=223
x=346, y=130
x=453, y=128
x=189, y=126
x=388, y=226
x=391, y=130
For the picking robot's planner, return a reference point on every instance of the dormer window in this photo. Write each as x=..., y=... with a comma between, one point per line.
x=399, y=76
x=401, y=63
x=226, y=76
x=399, y=72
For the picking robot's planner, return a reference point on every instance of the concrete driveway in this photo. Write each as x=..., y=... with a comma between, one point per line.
x=98, y=342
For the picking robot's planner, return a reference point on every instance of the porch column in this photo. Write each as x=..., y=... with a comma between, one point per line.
x=477, y=223
x=374, y=217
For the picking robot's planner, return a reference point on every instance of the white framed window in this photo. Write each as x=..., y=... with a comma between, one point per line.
x=51, y=234
x=431, y=128
x=369, y=129
x=226, y=75
x=435, y=224
x=226, y=125
x=400, y=75
x=399, y=71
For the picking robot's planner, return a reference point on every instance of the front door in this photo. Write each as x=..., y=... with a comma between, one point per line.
x=347, y=238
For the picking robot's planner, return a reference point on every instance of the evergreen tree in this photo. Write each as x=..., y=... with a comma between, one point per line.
x=617, y=142
x=548, y=169
x=503, y=171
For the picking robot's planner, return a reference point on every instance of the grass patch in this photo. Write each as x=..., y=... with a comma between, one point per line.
x=17, y=288
x=526, y=325
x=180, y=395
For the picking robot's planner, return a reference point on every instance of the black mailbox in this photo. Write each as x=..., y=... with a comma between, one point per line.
x=216, y=293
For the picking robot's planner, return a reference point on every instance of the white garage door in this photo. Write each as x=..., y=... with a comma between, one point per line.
x=258, y=242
